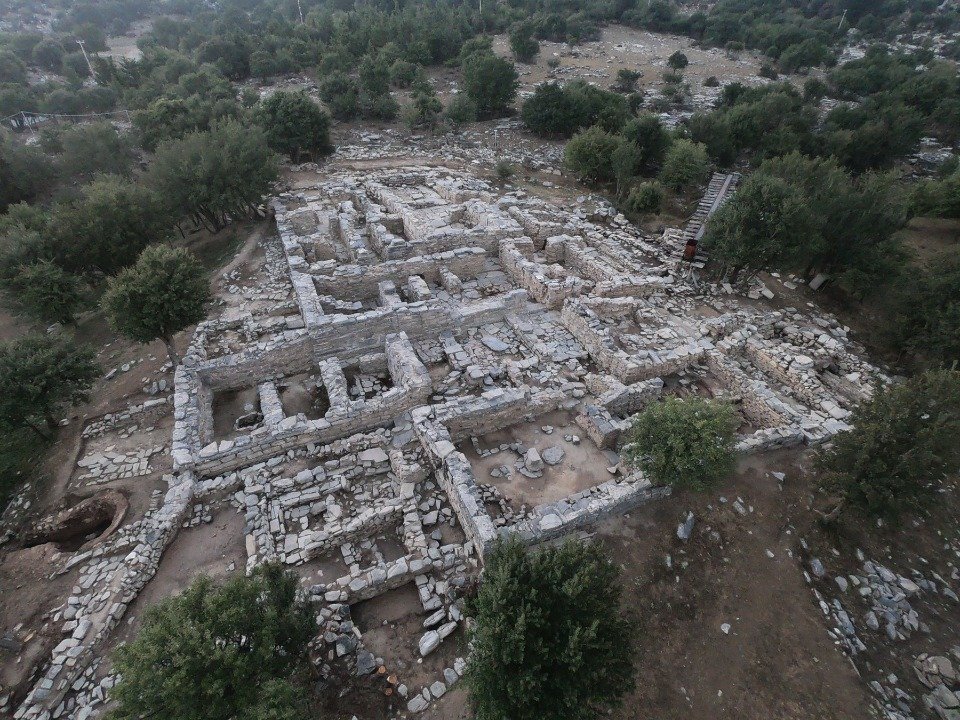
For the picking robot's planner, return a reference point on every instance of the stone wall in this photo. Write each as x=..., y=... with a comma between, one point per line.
x=537, y=279
x=588, y=328
x=585, y=508
x=357, y=282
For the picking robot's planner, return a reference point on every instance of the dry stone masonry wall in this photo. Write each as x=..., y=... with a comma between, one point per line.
x=433, y=338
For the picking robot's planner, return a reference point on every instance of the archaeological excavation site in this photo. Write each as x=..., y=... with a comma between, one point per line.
x=424, y=363
x=498, y=360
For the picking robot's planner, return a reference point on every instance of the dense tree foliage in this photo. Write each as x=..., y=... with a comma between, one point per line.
x=765, y=226
x=215, y=175
x=40, y=374
x=683, y=442
x=88, y=150
x=555, y=110
x=940, y=197
x=810, y=215
x=46, y=291
x=165, y=291
x=522, y=42
x=425, y=107
x=767, y=121
x=589, y=155
x=294, y=124
x=491, y=83
x=106, y=227
x=685, y=166
x=24, y=173
x=902, y=444
x=550, y=641
x=214, y=652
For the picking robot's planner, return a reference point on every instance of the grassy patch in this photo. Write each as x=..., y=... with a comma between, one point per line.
x=213, y=251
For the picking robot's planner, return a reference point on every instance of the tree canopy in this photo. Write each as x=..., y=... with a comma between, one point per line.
x=491, y=82
x=920, y=312
x=216, y=174
x=522, y=42
x=107, y=226
x=766, y=225
x=294, y=124
x=812, y=215
x=163, y=293
x=589, y=154
x=685, y=165
x=39, y=374
x=902, y=443
x=555, y=110
x=24, y=173
x=47, y=291
x=233, y=651
x=550, y=640
x=683, y=442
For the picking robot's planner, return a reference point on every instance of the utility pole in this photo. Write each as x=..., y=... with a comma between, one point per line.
x=842, y=18
x=300, y=10
x=87, y=58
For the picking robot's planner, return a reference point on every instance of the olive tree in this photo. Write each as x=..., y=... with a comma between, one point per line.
x=901, y=445
x=39, y=374
x=295, y=124
x=683, y=442
x=163, y=293
x=47, y=291
x=550, y=640
x=491, y=82
x=589, y=155
x=107, y=226
x=767, y=224
x=215, y=175
x=685, y=165
x=219, y=652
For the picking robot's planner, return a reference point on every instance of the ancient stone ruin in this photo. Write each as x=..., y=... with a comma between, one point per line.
x=434, y=365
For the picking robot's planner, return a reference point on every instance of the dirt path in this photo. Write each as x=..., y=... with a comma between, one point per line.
x=245, y=252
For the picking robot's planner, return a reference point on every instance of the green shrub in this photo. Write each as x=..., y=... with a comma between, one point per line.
x=503, y=170
x=491, y=83
x=47, y=291
x=644, y=199
x=685, y=165
x=678, y=61
x=237, y=650
x=522, y=43
x=589, y=155
x=683, y=442
x=403, y=73
x=462, y=110
x=550, y=641
x=902, y=444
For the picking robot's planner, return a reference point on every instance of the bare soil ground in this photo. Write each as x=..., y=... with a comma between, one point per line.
x=392, y=624
x=623, y=47
x=583, y=465
x=125, y=46
x=208, y=549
